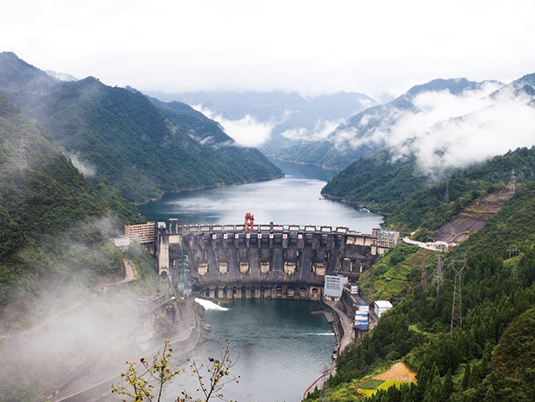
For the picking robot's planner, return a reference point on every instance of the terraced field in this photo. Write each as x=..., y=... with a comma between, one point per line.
x=399, y=374
x=472, y=218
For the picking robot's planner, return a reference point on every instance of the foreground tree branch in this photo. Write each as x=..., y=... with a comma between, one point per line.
x=145, y=381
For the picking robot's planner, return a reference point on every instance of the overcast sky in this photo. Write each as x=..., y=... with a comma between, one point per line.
x=380, y=48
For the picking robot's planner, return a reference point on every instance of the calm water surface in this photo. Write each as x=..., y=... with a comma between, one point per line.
x=293, y=199
x=279, y=347
x=282, y=347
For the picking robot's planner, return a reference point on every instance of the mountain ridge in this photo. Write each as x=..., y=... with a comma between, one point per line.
x=138, y=147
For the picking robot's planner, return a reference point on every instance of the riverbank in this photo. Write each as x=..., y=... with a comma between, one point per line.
x=343, y=329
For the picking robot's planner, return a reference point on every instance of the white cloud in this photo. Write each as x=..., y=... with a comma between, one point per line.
x=322, y=129
x=83, y=167
x=370, y=47
x=300, y=133
x=452, y=132
x=446, y=131
x=432, y=108
x=476, y=137
x=247, y=131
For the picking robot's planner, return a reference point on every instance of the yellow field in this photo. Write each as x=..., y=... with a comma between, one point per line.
x=397, y=375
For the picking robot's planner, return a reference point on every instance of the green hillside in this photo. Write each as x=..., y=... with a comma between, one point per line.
x=376, y=181
x=52, y=217
x=410, y=200
x=487, y=358
x=140, y=148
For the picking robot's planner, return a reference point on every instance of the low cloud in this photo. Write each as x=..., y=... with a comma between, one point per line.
x=69, y=325
x=321, y=131
x=247, y=131
x=83, y=167
x=476, y=137
x=448, y=131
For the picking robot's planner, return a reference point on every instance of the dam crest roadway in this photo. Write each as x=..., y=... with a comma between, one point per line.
x=265, y=260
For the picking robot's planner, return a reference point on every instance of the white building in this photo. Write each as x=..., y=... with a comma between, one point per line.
x=380, y=306
x=334, y=286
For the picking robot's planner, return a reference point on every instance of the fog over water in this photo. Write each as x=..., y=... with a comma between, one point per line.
x=293, y=199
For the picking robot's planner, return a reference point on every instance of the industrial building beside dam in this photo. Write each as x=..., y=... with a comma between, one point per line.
x=260, y=261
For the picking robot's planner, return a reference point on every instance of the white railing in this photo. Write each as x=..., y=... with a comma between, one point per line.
x=264, y=228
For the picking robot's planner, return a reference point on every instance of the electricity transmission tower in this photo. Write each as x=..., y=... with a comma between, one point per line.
x=439, y=276
x=512, y=182
x=456, y=310
x=513, y=250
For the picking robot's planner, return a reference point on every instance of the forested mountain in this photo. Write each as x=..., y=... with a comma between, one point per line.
x=141, y=149
x=43, y=197
x=484, y=356
x=421, y=165
x=412, y=200
x=322, y=130
x=55, y=249
x=524, y=86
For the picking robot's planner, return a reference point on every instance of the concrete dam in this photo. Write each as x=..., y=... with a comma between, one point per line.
x=266, y=260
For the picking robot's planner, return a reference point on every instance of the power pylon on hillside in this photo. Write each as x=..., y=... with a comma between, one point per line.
x=439, y=275
x=512, y=250
x=512, y=182
x=457, y=310
x=23, y=163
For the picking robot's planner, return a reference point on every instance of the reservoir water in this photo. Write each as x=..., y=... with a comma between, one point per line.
x=281, y=346
x=293, y=199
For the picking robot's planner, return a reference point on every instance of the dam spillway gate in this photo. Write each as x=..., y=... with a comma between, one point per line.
x=271, y=261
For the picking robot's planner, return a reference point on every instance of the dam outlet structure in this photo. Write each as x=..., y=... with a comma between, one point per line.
x=265, y=260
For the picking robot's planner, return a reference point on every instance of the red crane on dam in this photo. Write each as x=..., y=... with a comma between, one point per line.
x=249, y=222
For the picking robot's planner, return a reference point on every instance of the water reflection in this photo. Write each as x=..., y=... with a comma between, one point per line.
x=293, y=199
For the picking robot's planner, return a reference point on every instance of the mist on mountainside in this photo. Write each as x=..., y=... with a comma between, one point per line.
x=86, y=329
x=274, y=120
x=445, y=123
x=142, y=148
x=446, y=131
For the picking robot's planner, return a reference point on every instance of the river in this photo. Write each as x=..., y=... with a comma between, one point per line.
x=280, y=346
x=293, y=199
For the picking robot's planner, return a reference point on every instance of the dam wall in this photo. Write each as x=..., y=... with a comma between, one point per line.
x=267, y=261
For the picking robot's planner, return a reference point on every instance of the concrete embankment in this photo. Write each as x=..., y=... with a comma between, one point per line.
x=343, y=329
